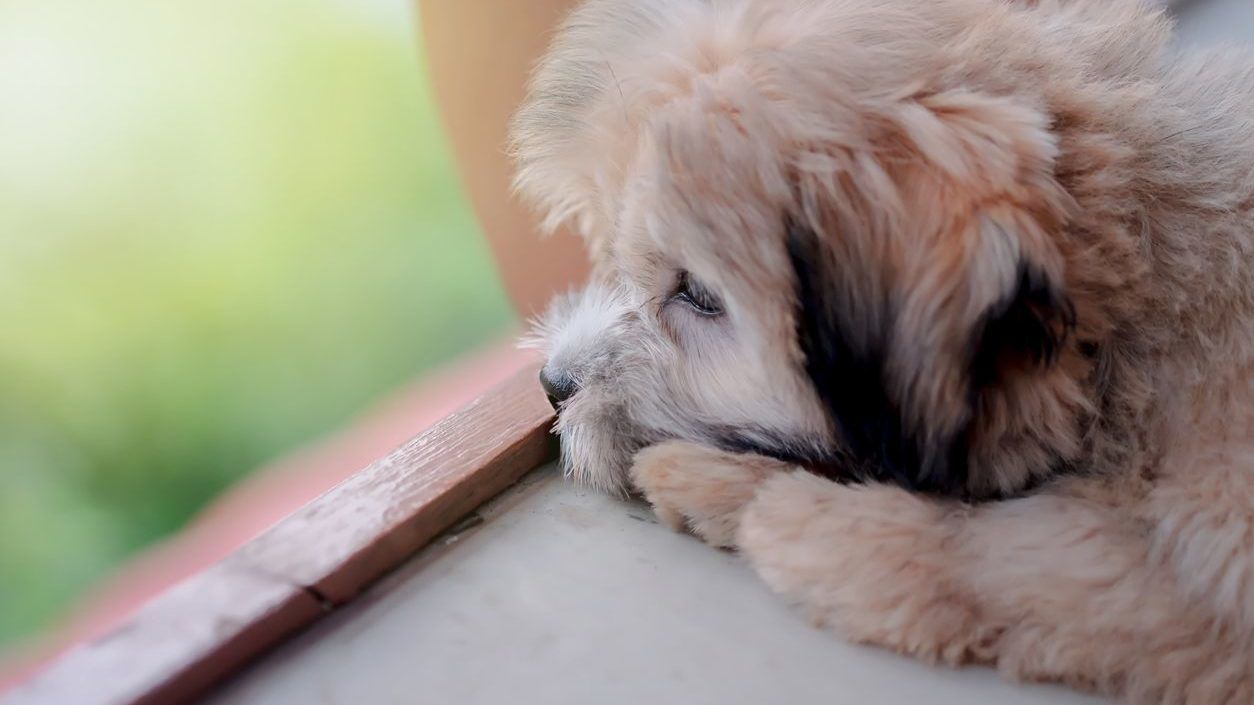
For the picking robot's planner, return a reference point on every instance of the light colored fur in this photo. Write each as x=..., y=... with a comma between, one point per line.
x=936, y=148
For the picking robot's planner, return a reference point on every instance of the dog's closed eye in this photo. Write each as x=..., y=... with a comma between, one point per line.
x=695, y=296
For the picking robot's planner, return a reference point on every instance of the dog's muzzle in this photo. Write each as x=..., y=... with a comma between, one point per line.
x=557, y=386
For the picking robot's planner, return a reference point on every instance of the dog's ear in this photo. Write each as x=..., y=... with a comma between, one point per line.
x=983, y=295
x=935, y=278
x=997, y=215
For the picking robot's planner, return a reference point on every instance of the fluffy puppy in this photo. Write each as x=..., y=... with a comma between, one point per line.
x=940, y=312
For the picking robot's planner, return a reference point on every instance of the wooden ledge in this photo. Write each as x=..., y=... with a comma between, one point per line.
x=190, y=638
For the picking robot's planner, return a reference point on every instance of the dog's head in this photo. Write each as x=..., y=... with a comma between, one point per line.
x=828, y=231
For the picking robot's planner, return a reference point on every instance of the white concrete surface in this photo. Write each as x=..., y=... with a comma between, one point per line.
x=565, y=597
x=1209, y=22
x=562, y=596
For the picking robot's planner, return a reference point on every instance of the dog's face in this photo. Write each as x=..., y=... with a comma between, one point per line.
x=810, y=243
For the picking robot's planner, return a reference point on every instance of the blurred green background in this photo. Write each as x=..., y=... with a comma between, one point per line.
x=225, y=226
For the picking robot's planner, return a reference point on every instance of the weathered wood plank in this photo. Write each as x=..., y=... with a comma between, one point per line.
x=191, y=637
x=370, y=522
x=177, y=644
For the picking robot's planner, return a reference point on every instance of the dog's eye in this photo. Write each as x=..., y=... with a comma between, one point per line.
x=698, y=298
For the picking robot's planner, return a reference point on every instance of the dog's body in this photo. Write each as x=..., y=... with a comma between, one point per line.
x=986, y=263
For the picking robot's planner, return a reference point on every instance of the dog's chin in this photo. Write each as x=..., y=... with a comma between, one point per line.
x=596, y=449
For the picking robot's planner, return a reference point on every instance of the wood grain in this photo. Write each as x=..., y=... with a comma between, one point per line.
x=369, y=523
x=193, y=636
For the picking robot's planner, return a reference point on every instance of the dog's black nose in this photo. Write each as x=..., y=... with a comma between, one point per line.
x=557, y=386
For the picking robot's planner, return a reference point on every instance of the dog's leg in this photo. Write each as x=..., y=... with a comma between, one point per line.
x=1203, y=515
x=1048, y=587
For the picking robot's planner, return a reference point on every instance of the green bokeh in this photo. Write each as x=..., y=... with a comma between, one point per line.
x=225, y=226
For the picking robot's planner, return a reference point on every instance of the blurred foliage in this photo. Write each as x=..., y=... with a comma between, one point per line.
x=225, y=226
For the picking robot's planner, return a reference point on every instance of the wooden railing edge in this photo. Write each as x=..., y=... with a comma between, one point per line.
x=195, y=635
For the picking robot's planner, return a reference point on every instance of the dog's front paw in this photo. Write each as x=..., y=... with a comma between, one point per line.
x=701, y=489
x=873, y=562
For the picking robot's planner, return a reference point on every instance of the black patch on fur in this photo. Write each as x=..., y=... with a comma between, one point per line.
x=851, y=384
x=1027, y=329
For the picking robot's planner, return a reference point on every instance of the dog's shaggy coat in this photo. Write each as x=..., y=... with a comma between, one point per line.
x=940, y=312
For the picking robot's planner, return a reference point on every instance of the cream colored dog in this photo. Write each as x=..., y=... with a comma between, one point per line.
x=941, y=312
